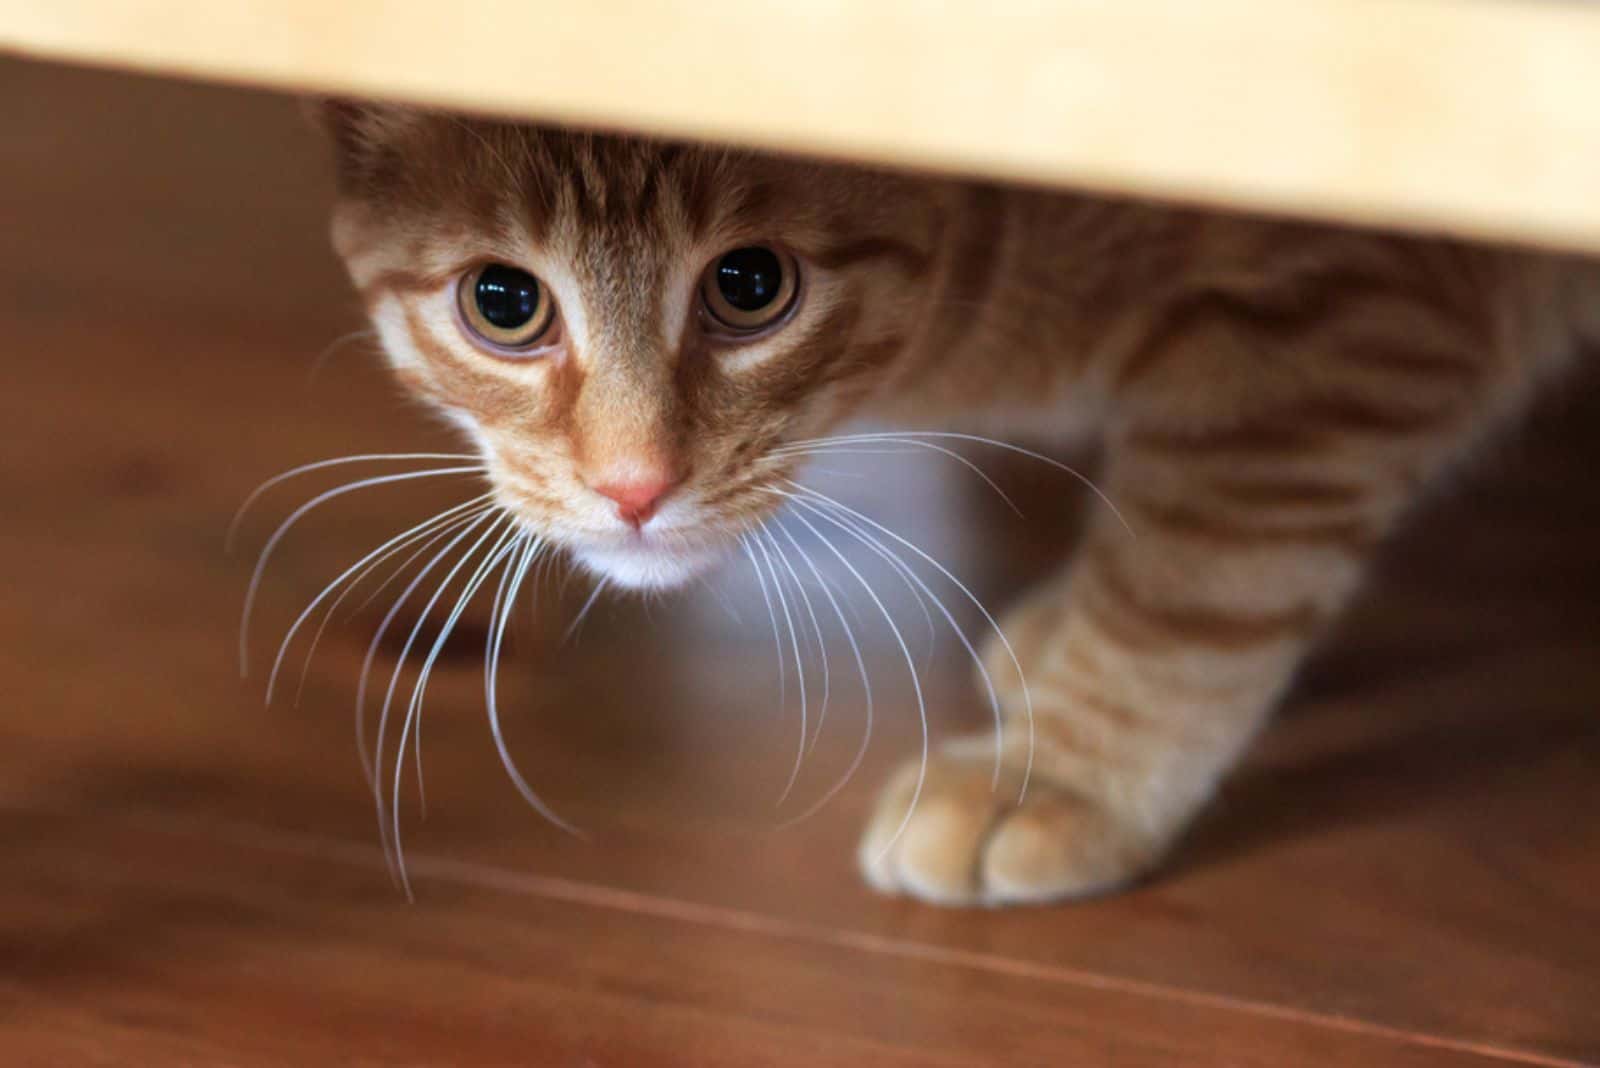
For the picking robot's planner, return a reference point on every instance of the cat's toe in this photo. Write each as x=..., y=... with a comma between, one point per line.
x=968, y=843
x=1056, y=846
x=930, y=849
x=876, y=852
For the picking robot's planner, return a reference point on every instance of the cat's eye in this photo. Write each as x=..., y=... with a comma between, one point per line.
x=748, y=289
x=506, y=307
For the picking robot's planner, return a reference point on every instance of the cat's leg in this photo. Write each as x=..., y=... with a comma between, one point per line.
x=1157, y=655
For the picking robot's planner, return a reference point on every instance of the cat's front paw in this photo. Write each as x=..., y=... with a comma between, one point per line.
x=968, y=842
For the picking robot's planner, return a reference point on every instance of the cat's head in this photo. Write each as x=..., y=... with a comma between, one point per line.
x=629, y=329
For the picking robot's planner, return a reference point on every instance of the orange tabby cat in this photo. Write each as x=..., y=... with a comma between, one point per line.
x=632, y=332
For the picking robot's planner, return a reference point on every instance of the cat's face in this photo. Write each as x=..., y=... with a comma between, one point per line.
x=628, y=329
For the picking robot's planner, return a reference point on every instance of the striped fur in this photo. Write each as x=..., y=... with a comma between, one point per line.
x=1271, y=396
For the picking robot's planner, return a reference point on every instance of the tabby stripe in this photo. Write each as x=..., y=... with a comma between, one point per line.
x=538, y=204
x=419, y=382
x=648, y=194
x=1117, y=608
x=1368, y=416
x=973, y=260
x=489, y=391
x=1267, y=490
x=864, y=356
x=818, y=355
x=1120, y=716
x=1349, y=536
x=729, y=491
x=1079, y=665
x=1409, y=359
x=912, y=261
x=1257, y=438
x=697, y=197
x=400, y=281
x=1282, y=315
x=752, y=206
x=1308, y=425
x=1057, y=733
x=1286, y=316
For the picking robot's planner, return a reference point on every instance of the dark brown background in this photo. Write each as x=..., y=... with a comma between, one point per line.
x=1404, y=872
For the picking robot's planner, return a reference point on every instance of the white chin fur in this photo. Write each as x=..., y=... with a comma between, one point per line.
x=646, y=569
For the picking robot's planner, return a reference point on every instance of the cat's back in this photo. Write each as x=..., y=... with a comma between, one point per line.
x=1108, y=274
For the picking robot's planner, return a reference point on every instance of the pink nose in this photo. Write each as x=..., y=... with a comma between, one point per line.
x=636, y=498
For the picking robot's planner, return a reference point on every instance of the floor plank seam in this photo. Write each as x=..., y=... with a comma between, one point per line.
x=499, y=880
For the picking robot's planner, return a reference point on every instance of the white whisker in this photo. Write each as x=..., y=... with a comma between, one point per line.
x=896, y=568
x=534, y=551
x=583, y=613
x=911, y=666
x=861, y=667
x=499, y=551
x=370, y=333
x=499, y=603
x=433, y=538
x=876, y=545
x=828, y=447
x=1005, y=643
x=908, y=436
x=372, y=759
x=772, y=617
x=400, y=569
x=388, y=698
x=294, y=517
x=816, y=629
x=566, y=583
x=372, y=559
x=371, y=457
x=799, y=667
x=721, y=597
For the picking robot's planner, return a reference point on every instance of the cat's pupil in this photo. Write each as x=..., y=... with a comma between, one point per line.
x=507, y=298
x=749, y=279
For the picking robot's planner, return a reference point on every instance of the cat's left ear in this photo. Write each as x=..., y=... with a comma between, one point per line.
x=362, y=132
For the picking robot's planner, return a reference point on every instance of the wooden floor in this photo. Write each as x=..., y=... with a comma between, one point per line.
x=1405, y=872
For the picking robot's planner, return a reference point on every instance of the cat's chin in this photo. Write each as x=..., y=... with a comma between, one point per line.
x=647, y=568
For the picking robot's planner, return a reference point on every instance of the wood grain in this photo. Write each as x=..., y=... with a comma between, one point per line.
x=1402, y=873
x=1469, y=115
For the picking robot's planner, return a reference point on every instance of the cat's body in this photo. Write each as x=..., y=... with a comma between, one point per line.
x=1270, y=397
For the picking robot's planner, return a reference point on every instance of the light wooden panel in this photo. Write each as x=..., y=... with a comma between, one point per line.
x=1480, y=116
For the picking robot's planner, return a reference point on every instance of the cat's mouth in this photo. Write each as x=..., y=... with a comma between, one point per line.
x=643, y=561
